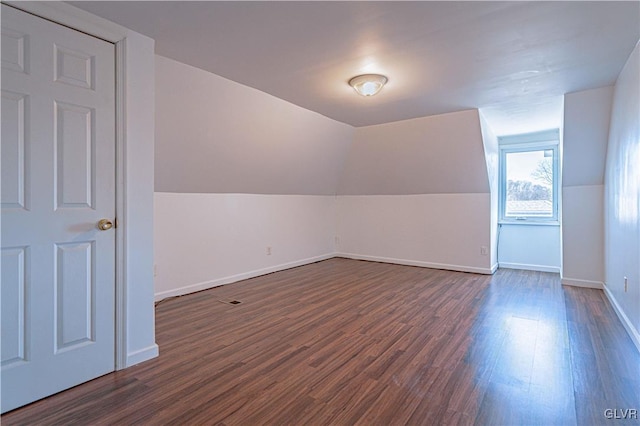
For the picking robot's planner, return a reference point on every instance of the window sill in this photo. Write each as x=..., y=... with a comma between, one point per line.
x=529, y=222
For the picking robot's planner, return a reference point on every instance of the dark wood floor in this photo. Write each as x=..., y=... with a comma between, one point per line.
x=350, y=342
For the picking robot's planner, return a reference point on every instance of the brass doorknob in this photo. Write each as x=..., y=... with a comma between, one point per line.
x=104, y=224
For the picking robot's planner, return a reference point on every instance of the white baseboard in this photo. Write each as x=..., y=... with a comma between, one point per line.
x=624, y=319
x=142, y=355
x=574, y=282
x=192, y=288
x=528, y=267
x=494, y=268
x=458, y=268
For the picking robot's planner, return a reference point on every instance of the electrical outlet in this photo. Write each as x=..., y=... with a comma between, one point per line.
x=626, y=284
x=155, y=270
x=268, y=251
x=484, y=250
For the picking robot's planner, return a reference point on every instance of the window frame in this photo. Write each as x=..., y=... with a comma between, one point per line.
x=551, y=145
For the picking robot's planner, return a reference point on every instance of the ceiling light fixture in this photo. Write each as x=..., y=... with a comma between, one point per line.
x=368, y=84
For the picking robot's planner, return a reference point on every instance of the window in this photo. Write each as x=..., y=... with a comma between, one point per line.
x=529, y=182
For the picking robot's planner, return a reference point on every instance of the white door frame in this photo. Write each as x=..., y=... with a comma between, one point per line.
x=135, y=70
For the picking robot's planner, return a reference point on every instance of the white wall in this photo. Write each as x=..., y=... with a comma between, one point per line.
x=530, y=247
x=586, y=130
x=138, y=192
x=204, y=240
x=444, y=231
x=583, y=236
x=237, y=171
x=417, y=192
x=492, y=155
x=622, y=198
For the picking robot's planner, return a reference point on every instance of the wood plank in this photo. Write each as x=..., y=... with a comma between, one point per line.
x=353, y=342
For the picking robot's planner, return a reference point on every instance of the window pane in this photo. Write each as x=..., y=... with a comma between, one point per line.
x=529, y=191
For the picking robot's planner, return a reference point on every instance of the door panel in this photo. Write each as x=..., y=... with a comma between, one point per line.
x=74, y=147
x=15, y=50
x=13, y=305
x=74, y=294
x=13, y=151
x=58, y=181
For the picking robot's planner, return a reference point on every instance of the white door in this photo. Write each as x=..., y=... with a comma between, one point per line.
x=58, y=182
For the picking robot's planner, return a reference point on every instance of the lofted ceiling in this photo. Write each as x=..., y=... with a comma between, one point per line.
x=513, y=60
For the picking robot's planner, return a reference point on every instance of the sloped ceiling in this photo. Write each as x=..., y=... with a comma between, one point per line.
x=217, y=136
x=586, y=133
x=514, y=60
x=438, y=154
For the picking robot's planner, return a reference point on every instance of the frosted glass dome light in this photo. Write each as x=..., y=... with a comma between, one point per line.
x=368, y=84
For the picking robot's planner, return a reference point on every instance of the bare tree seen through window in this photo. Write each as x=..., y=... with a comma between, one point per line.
x=529, y=184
